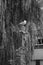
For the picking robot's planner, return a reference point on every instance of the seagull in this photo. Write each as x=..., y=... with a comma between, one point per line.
x=23, y=23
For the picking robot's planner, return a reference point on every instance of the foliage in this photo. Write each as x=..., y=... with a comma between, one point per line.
x=14, y=14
